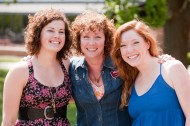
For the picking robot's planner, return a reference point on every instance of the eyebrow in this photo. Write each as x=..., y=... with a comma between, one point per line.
x=122, y=42
x=132, y=39
x=127, y=41
x=54, y=28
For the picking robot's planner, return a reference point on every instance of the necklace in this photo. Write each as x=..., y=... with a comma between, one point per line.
x=98, y=90
x=97, y=80
x=52, y=92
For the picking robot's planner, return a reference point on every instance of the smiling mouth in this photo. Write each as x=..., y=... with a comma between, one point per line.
x=133, y=57
x=55, y=42
x=92, y=49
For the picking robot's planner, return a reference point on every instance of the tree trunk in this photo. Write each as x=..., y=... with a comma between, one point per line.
x=177, y=29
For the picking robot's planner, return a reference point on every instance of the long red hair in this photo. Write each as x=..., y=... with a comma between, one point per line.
x=127, y=72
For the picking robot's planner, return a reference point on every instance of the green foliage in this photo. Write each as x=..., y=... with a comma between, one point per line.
x=5, y=21
x=152, y=11
x=155, y=12
x=17, y=27
x=11, y=21
x=188, y=57
x=10, y=1
x=120, y=11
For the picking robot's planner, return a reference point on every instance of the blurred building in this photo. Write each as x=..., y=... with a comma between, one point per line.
x=14, y=13
x=70, y=7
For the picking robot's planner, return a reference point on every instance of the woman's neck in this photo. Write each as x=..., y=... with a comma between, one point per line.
x=94, y=71
x=95, y=65
x=45, y=60
x=148, y=66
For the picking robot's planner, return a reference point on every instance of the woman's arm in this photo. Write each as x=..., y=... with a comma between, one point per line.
x=13, y=85
x=180, y=79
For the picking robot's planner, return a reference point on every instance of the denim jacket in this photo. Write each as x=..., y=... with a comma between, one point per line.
x=90, y=111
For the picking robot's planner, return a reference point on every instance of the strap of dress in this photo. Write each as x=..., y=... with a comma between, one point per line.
x=67, y=79
x=160, y=68
x=64, y=69
x=30, y=68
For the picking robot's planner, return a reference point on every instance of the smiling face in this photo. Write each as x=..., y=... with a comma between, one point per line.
x=92, y=43
x=53, y=36
x=133, y=48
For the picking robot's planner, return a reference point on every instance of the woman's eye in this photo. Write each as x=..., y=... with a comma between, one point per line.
x=62, y=32
x=85, y=37
x=122, y=46
x=50, y=30
x=97, y=37
x=136, y=42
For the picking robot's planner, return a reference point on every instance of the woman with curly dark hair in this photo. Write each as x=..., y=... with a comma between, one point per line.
x=37, y=91
x=96, y=87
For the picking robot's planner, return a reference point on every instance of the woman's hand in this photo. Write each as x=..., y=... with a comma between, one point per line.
x=26, y=58
x=165, y=57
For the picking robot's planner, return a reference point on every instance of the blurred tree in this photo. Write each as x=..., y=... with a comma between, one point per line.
x=151, y=11
x=175, y=20
x=177, y=29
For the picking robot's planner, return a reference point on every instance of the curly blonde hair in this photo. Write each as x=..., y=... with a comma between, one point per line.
x=92, y=21
x=127, y=72
x=35, y=25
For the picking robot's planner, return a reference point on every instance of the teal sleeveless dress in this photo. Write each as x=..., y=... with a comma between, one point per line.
x=159, y=106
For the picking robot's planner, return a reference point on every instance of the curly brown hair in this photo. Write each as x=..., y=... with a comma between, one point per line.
x=127, y=72
x=35, y=25
x=92, y=21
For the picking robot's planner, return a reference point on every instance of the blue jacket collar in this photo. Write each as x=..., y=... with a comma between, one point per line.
x=83, y=64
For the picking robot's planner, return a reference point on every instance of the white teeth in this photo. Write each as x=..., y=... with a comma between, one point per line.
x=132, y=57
x=54, y=42
x=91, y=49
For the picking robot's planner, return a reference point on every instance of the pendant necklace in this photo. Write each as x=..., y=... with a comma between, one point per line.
x=97, y=80
x=52, y=92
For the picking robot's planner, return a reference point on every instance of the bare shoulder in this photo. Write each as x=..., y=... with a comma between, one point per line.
x=174, y=65
x=175, y=73
x=66, y=63
x=20, y=67
x=172, y=70
x=18, y=73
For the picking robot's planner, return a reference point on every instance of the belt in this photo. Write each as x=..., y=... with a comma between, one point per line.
x=26, y=113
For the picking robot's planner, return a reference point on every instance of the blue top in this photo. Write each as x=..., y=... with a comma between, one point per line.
x=93, y=112
x=157, y=107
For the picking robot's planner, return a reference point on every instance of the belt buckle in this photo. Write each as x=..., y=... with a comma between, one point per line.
x=49, y=113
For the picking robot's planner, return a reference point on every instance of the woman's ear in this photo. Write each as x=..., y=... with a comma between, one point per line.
x=148, y=45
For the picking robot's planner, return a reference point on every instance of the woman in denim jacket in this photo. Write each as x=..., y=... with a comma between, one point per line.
x=96, y=86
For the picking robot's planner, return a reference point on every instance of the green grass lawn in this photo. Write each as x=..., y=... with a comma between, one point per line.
x=2, y=76
x=71, y=109
x=71, y=113
x=10, y=58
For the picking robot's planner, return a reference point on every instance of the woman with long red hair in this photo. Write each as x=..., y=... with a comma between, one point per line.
x=156, y=94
